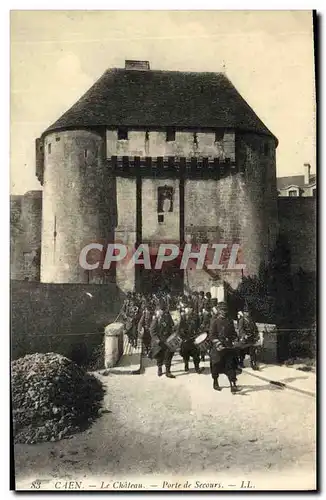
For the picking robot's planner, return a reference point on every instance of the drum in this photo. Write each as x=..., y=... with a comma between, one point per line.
x=173, y=342
x=202, y=342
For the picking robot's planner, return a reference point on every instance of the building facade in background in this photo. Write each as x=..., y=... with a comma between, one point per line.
x=298, y=185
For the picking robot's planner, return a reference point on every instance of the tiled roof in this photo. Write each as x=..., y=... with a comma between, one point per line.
x=161, y=99
x=294, y=180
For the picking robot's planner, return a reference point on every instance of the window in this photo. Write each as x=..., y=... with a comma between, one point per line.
x=146, y=135
x=170, y=135
x=57, y=139
x=195, y=139
x=85, y=153
x=293, y=193
x=122, y=134
x=49, y=149
x=164, y=199
x=160, y=218
x=219, y=135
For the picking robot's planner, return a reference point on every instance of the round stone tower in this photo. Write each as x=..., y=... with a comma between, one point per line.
x=76, y=203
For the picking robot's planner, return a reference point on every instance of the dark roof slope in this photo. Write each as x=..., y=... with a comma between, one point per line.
x=160, y=99
x=294, y=180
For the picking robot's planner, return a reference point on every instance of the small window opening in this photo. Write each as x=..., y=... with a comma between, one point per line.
x=160, y=218
x=122, y=134
x=57, y=139
x=219, y=135
x=170, y=135
x=85, y=153
x=195, y=138
x=146, y=135
x=164, y=199
x=49, y=149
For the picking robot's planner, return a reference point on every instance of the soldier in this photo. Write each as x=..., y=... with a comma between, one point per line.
x=201, y=301
x=222, y=334
x=188, y=329
x=160, y=329
x=144, y=326
x=133, y=319
x=248, y=334
x=208, y=300
x=125, y=306
x=213, y=306
x=195, y=301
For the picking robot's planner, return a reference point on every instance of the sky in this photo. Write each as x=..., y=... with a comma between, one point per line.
x=268, y=55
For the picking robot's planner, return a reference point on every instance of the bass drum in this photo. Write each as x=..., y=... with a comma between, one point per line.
x=173, y=342
x=203, y=343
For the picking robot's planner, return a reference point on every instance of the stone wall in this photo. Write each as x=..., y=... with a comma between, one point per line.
x=256, y=157
x=154, y=143
x=297, y=218
x=79, y=205
x=61, y=318
x=25, y=236
x=238, y=209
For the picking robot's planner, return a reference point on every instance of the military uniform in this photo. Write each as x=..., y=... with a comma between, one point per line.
x=207, y=301
x=131, y=315
x=187, y=329
x=204, y=322
x=144, y=326
x=161, y=328
x=222, y=358
x=248, y=333
x=201, y=302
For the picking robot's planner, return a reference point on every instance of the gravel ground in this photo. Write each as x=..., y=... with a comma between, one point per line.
x=183, y=428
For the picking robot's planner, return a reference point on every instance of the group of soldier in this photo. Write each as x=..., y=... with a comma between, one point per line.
x=149, y=319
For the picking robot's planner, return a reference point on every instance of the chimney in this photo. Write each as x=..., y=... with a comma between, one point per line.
x=137, y=65
x=306, y=168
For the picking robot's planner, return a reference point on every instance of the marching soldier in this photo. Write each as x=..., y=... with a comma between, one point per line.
x=208, y=300
x=161, y=328
x=222, y=335
x=213, y=307
x=248, y=334
x=201, y=301
x=144, y=326
x=125, y=306
x=131, y=316
x=188, y=329
x=195, y=301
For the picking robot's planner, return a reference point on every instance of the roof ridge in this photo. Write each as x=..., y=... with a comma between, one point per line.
x=153, y=97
